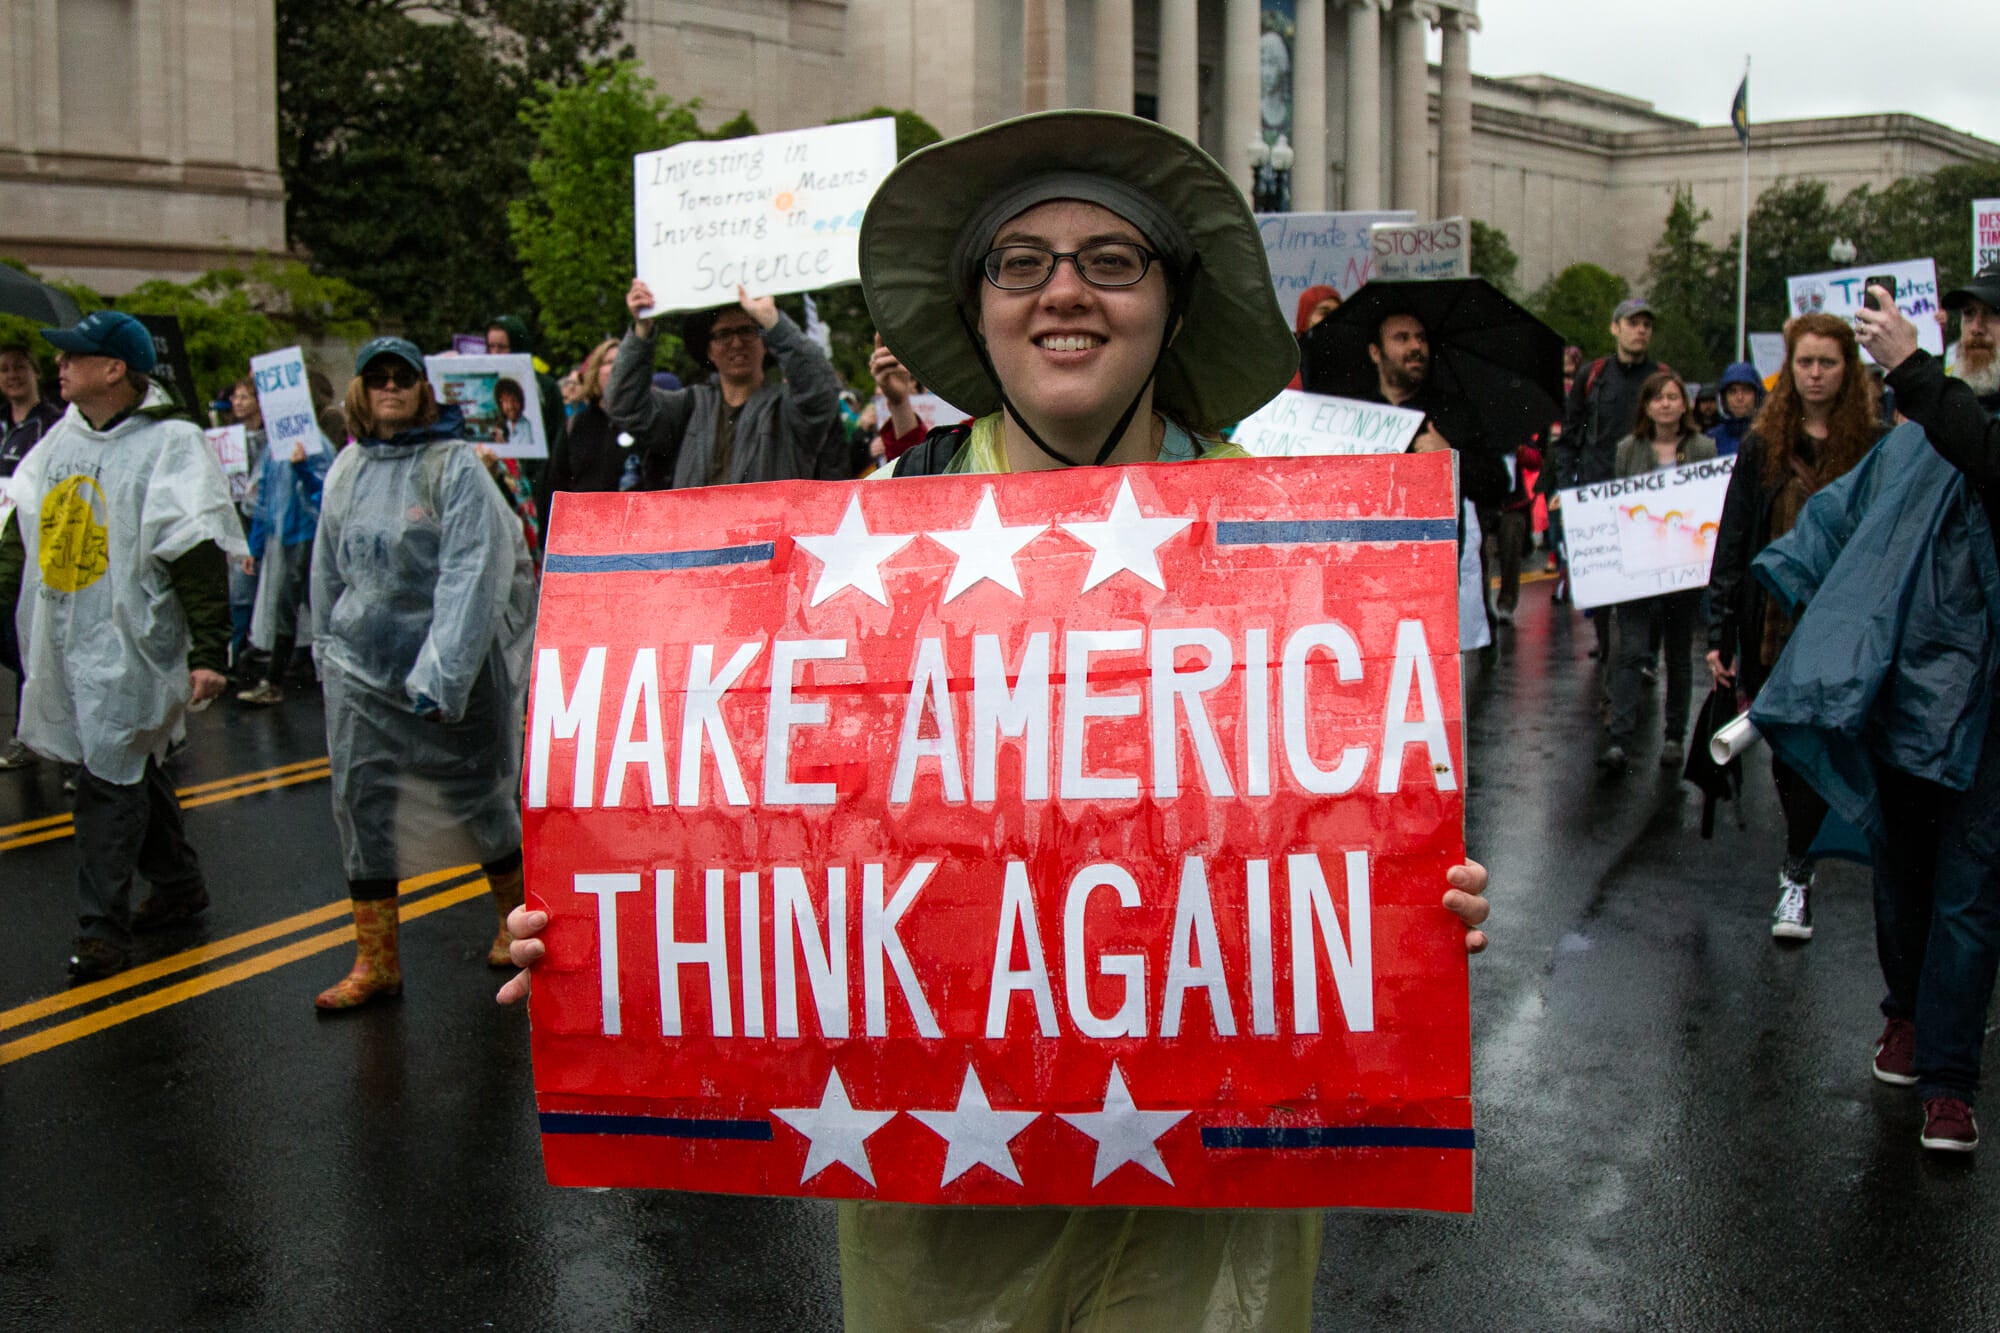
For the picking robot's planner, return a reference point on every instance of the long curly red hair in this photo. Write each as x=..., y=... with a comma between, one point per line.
x=1851, y=424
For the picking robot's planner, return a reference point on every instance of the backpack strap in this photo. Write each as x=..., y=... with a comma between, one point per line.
x=934, y=456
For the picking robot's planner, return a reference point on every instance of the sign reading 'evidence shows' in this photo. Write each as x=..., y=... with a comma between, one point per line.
x=1643, y=536
x=772, y=213
x=1061, y=838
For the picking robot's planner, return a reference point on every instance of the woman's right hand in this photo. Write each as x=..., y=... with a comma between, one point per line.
x=523, y=923
x=1723, y=675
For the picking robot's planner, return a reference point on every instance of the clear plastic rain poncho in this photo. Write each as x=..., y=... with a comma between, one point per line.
x=101, y=513
x=422, y=598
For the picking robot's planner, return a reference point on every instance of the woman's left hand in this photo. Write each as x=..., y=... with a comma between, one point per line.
x=1466, y=900
x=760, y=308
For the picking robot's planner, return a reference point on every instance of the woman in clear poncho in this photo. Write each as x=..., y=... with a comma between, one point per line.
x=422, y=601
x=1093, y=288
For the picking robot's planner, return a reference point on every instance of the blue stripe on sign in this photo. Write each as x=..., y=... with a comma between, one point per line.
x=1331, y=1136
x=645, y=562
x=1325, y=531
x=656, y=1126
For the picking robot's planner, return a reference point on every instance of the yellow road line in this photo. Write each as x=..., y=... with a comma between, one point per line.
x=203, y=953
x=63, y=827
x=197, y=789
x=139, y=1006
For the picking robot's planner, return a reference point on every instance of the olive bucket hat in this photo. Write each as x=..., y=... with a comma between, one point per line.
x=932, y=219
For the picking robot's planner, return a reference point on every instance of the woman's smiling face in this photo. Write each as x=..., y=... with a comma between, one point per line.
x=1069, y=355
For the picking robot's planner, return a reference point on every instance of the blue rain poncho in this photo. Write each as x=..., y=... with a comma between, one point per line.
x=423, y=616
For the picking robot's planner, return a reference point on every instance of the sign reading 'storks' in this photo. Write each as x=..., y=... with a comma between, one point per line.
x=1063, y=838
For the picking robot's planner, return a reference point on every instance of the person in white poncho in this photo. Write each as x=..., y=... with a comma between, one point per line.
x=118, y=549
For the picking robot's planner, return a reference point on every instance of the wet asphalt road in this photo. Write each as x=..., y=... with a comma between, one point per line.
x=1677, y=1124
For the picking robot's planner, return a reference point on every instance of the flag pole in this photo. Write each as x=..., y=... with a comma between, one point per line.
x=1743, y=242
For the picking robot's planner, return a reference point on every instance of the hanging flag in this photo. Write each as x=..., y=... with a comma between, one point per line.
x=1739, y=111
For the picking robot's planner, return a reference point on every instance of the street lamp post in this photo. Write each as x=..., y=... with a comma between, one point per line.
x=1271, y=170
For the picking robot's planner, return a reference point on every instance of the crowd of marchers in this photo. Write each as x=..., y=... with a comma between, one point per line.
x=394, y=569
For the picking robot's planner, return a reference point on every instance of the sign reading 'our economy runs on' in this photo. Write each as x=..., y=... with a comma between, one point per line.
x=1642, y=536
x=1296, y=424
x=772, y=213
x=1062, y=838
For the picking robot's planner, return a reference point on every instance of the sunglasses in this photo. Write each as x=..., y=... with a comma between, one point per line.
x=399, y=377
x=744, y=333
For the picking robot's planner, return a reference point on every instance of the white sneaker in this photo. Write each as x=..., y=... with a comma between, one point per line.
x=1792, y=919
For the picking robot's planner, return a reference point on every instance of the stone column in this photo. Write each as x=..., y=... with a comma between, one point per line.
x=1364, y=104
x=1111, y=55
x=1180, y=67
x=1240, y=88
x=1411, y=132
x=1309, y=108
x=1044, y=55
x=1455, y=114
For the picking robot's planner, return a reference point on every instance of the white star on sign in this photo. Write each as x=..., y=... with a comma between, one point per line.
x=836, y=1130
x=975, y=1133
x=1126, y=540
x=1124, y=1133
x=986, y=550
x=851, y=556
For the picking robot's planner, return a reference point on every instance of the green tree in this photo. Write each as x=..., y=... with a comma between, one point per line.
x=1493, y=257
x=573, y=230
x=400, y=141
x=1921, y=217
x=1577, y=303
x=1694, y=323
x=1791, y=225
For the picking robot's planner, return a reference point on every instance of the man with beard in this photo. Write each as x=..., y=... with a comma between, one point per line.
x=1401, y=351
x=1978, y=307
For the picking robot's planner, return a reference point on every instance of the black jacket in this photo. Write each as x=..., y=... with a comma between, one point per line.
x=586, y=457
x=1595, y=418
x=1482, y=475
x=16, y=439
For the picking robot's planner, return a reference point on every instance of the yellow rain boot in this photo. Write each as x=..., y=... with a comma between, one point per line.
x=377, y=968
x=508, y=893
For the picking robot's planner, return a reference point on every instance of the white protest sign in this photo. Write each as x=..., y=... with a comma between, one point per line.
x=1295, y=424
x=1643, y=536
x=1319, y=250
x=1839, y=293
x=1407, y=251
x=232, y=449
x=1767, y=353
x=498, y=397
x=1985, y=233
x=931, y=410
x=285, y=399
x=773, y=213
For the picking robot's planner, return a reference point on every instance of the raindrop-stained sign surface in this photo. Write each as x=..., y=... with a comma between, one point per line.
x=1065, y=838
x=771, y=213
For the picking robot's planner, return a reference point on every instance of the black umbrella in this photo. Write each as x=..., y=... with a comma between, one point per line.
x=1718, y=782
x=1502, y=362
x=24, y=296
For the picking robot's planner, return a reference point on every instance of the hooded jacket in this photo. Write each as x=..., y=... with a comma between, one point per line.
x=115, y=547
x=1894, y=657
x=1728, y=433
x=787, y=430
x=1301, y=321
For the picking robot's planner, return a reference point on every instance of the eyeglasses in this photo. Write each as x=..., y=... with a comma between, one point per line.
x=1023, y=268
x=736, y=333
x=399, y=377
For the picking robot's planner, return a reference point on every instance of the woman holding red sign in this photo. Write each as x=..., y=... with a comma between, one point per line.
x=1093, y=287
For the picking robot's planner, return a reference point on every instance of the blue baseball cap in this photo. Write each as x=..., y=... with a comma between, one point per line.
x=110, y=333
x=401, y=348
x=1631, y=308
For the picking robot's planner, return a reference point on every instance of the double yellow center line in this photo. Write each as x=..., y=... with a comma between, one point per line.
x=49, y=828
x=460, y=883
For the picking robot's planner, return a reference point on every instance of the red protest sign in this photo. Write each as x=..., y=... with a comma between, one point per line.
x=1071, y=838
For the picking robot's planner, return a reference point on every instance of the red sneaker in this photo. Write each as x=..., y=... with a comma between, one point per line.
x=1949, y=1126
x=1896, y=1053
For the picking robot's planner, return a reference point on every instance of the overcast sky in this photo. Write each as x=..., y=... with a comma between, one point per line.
x=1808, y=57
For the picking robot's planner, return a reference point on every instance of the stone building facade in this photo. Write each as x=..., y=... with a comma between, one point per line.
x=138, y=137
